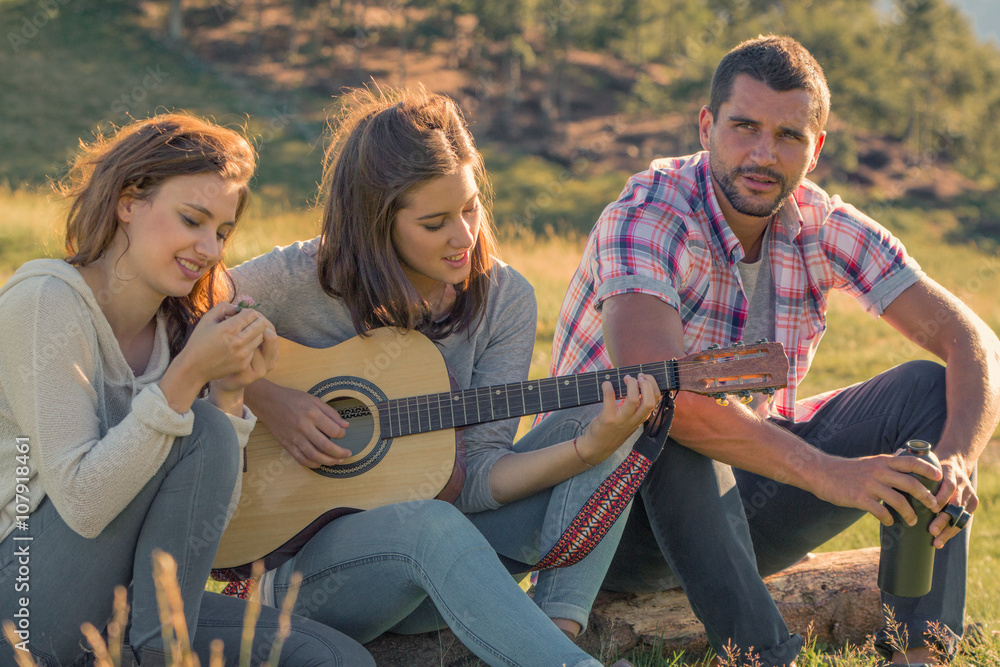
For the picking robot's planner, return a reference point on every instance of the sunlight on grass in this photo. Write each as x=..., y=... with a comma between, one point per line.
x=856, y=346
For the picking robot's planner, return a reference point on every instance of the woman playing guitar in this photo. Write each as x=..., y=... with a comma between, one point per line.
x=407, y=242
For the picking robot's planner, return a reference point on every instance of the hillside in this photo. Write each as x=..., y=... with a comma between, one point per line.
x=554, y=118
x=586, y=111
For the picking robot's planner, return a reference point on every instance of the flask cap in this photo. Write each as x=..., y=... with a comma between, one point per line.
x=918, y=446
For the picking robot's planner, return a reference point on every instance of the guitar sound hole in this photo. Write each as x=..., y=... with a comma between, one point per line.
x=362, y=424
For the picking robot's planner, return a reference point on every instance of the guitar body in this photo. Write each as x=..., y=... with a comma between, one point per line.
x=284, y=503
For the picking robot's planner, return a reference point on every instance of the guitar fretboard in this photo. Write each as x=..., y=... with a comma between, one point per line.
x=433, y=412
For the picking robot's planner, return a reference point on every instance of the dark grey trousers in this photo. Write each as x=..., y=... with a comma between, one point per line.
x=716, y=530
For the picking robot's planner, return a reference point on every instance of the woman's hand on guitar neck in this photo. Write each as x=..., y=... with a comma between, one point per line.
x=619, y=418
x=302, y=423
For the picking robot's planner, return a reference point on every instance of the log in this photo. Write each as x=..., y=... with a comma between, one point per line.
x=835, y=593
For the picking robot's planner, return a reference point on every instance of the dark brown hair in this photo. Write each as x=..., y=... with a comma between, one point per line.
x=384, y=145
x=134, y=162
x=781, y=63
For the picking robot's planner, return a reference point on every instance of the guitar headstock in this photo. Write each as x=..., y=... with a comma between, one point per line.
x=740, y=369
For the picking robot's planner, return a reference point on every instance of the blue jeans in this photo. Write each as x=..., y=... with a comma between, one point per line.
x=716, y=530
x=403, y=567
x=180, y=511
x=523, y=531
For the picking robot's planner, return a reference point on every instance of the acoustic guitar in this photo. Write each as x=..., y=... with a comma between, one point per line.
x=395, y=391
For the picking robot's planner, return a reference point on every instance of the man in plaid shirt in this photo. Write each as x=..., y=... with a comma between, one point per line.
x=734, y=244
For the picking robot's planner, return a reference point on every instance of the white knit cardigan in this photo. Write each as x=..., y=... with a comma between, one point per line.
x=87, y=431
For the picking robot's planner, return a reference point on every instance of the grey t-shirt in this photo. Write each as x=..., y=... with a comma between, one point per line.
x=285, y=284
x=758, y=287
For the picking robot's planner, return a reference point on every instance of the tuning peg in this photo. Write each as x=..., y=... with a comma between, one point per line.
x=720, y=398
x=745, y=397
x=761, y=341
x=713, y=347
x=738, y=343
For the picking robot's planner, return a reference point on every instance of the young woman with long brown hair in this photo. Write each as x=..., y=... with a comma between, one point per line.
x=407, y=242
x=104, y=356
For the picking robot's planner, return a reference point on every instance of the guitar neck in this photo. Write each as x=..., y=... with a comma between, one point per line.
x=433, y=412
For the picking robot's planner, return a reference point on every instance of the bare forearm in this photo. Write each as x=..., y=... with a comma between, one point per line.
x=521, y=474
x=936, y=320
x=741, y=438
x=973, y=395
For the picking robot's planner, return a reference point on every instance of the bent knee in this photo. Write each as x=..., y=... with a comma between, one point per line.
x=214, y=439
x=923, y=375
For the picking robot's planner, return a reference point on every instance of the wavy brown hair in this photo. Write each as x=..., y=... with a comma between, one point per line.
x=384, y=145
x=134, y=162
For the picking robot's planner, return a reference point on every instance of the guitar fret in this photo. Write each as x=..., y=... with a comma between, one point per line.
x=538, y=392
x=409, y=414
x=548, y=389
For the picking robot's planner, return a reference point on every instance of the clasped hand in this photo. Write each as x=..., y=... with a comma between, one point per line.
x=231, y=348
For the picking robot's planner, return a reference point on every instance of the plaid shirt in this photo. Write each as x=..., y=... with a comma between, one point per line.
x=666, y=236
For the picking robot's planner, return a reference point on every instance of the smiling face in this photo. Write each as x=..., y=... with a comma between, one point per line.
x=761, y=146
x=435, y=232
x=177, y=235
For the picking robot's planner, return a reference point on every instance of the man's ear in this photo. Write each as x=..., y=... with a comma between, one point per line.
x=705, y=120
x=819, y=147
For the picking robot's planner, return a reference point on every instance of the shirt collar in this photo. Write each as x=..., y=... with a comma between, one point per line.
x=721, y=238
x=724, y=243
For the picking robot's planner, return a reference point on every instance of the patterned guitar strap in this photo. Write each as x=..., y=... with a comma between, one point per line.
x=611, y=498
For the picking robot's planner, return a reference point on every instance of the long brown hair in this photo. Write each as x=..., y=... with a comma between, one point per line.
x=384, y=145
x=135, y=161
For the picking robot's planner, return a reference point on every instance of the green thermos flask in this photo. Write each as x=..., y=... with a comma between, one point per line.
x=906, y=563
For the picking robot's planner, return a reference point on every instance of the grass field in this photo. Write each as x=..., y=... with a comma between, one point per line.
x=856, y=347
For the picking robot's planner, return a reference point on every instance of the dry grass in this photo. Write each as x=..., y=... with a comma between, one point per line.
x=176, y=639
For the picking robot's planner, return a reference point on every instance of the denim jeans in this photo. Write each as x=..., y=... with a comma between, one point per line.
x=713, y=528
x=405, y=567
x=523, y=531
x=72, y=579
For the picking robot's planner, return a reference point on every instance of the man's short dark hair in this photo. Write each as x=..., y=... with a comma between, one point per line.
x=778, y=61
